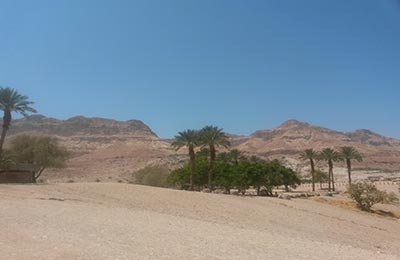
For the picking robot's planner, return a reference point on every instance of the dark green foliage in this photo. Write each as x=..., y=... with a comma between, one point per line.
x=181, y=177
x=156, y=176
x=289, y=177
x=230, y=171
x=268, y=174
x=365, y=194
x=234, y=170
x=226, y=175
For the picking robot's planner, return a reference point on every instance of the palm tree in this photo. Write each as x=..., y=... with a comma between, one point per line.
x=190, y=139
x=311, y=156
x=330, y=155
x=235, y=155
x=212, y=136
x=12, y=101
x=349, y=153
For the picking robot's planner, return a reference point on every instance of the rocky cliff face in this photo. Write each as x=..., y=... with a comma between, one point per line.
x=81, y=126
x=295, y=135
x=288, y=139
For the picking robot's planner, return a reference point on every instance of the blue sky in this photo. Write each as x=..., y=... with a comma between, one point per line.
x=178, y=64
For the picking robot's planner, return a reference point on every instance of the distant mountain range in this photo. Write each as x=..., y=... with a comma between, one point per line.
x=109, y=149
x=80, y=125
x=293, y=136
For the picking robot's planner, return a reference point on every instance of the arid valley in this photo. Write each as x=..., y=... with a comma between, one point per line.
x=89, y=210
x=111, y=151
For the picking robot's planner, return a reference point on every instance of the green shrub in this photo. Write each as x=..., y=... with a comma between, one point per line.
x=365, y=194
x=179, y=178
x=42, y=151
x=152, y=176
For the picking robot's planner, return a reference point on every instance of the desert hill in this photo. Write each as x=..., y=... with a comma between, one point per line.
x=105, y=149
x=292, y=136
x=102, y=149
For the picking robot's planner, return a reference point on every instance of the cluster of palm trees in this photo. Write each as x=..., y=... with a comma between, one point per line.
x=329, y=155
x=210, y=137
x=11, y=101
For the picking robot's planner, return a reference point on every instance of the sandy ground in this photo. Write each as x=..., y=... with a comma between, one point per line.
x=123, y=221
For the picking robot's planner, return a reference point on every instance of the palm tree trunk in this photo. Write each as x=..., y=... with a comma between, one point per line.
x=211, y=168
x=6, y=126
x=312, y=174
x=332, y=178
x=348, y=161
x=192, y=166
x=329, y=176
x=3, y=137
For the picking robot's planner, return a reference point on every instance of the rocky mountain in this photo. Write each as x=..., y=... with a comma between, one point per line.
x=102, y=149
x=80, y=125
x=288, y=139
x=111, y=150
x=293, y=135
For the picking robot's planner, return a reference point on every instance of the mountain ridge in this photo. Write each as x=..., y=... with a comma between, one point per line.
x=107, y=148
x=291, y=123
x=80, y=125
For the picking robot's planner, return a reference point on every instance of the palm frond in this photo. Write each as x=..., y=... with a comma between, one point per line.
x=329, y=154
x=189, y=138
x=12, y=101
x=350, y=153
x=213, y=135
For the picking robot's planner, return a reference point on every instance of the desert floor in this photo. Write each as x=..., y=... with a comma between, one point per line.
x=124, y=221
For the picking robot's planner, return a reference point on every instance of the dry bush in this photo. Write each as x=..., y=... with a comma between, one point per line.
x=365, y=194
x=152, y=176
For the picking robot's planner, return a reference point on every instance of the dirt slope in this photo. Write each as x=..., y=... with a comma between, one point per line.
x=121, y=221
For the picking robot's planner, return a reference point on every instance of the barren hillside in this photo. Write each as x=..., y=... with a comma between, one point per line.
x=292, y=136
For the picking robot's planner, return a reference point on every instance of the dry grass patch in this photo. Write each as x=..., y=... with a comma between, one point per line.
x=344, y=203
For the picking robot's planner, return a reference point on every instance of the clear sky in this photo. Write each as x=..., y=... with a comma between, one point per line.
x=177, y=64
